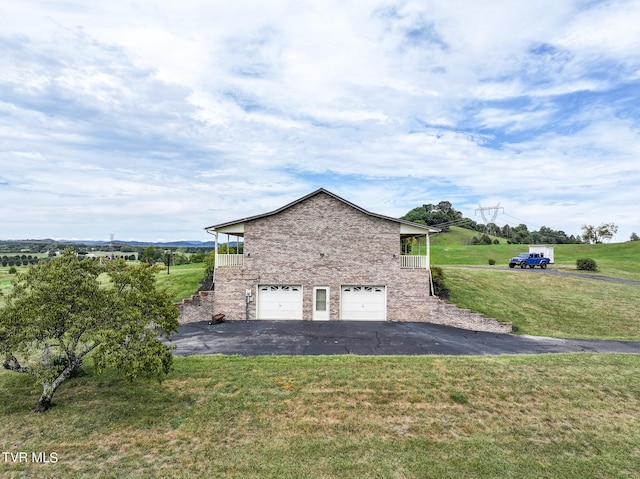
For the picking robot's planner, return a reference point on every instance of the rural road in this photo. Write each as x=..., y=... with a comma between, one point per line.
x=266, y=338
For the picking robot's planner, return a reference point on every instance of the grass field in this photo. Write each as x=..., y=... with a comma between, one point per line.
x=553, y=416
x=549, y=305
x=546, y=305
x=459, y=236
x=619, y=260
x=6, y=278
x=181, y=282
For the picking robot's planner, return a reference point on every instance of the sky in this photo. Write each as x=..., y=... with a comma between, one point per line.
x=153, y=120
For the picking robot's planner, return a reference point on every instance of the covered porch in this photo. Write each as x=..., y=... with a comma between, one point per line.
x=414, y=249
x=232, y=237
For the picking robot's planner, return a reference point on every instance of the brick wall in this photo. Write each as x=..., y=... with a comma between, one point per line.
x=324, y=242
x=196, y=308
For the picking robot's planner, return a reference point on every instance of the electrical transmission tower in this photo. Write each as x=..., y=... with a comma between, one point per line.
x=489, y=211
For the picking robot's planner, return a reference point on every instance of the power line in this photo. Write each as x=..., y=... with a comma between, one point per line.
x=523, y=221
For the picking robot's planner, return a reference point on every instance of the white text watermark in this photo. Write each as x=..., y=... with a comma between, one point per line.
x=32, y=457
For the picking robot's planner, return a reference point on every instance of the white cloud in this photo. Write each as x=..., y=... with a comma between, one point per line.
x=156, y=119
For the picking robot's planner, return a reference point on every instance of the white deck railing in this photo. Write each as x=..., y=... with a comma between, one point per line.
x=230, y=260
x=413, y=262
x=406, y=261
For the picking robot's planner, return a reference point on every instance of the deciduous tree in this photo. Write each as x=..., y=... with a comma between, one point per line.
x=59, y=312
x=150, y=256
x=598, y=234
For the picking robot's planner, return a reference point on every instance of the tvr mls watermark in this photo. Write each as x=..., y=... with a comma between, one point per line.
x=23, y=457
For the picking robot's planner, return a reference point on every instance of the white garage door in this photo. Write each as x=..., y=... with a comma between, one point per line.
x=280, y=302
x=365, y=303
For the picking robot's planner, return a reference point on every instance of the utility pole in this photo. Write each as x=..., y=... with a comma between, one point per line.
x=489, y=210
x=169, y=256
x=111, y=246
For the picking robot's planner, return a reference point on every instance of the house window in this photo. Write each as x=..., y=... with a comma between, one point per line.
x=321, y=299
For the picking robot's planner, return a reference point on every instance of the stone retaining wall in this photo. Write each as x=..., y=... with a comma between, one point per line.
x=199, y=307
x=449, y=314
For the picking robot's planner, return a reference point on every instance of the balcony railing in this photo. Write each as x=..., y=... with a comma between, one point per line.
x=230, y=260
x=413, y=262
x=406, y=261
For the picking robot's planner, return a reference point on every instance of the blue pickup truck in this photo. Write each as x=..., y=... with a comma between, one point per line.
x=529, y=259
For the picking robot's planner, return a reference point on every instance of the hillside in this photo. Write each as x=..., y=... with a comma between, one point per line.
x=459, y=236
x=544, y=304
x=618, y=260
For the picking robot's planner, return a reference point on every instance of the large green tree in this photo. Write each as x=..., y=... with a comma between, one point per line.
x=60, y=311
x=430, y=214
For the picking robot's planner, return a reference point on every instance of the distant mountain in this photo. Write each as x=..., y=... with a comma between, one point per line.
x=161, y=244
x=174, y=244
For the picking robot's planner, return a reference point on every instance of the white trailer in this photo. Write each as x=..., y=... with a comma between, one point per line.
x=545, y=250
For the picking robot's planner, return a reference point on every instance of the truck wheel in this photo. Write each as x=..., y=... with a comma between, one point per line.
x=512, y=265
x=543, y=265
x=523, y=265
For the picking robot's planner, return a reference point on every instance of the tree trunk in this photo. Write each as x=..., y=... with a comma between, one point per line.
x=44, y=403
x=49, y=389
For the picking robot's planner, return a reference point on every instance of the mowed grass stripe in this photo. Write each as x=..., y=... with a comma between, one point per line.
x=340, y=417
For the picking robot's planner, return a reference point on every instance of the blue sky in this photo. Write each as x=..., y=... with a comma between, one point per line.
x=151, y=120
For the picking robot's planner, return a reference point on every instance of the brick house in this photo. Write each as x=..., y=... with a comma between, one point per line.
x=323, y=258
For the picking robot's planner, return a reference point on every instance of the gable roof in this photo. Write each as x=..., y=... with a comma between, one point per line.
x=429, y=229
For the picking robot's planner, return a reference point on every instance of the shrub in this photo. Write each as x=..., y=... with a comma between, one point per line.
x=492, y=262
x=439, y=288
x=586, y=264
x=13, y=270
x=484, y=239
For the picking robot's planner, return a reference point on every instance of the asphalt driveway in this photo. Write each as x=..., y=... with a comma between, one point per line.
x=266, y=338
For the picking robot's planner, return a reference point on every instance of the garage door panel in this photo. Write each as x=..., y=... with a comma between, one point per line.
x=364, y=303
x=280, y=302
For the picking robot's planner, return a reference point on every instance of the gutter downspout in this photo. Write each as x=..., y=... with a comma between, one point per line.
x=431, y=291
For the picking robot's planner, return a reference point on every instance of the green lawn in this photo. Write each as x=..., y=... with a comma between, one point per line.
x=182, y=281
x=549, y=305
x=619, y=260
x=460, y=236
x=549, y=416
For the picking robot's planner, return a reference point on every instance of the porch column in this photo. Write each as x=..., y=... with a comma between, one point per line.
x=428, y=252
